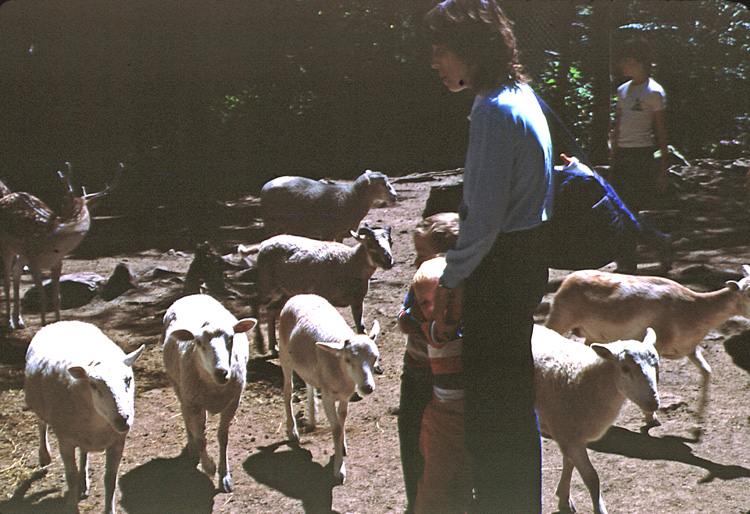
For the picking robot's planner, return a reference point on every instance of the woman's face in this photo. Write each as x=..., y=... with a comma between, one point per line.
x=455, y=74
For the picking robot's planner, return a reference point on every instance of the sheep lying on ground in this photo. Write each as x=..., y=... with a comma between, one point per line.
x=435, y=235
x=604, y=307
x=579, y=393
x=206, y=354
x=317, y=344
x=80, y=383
x=319, y=210
x=289, y=265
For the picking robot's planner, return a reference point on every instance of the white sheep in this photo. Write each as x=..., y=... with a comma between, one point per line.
x=579, y=392
x=80, y=383
x=289, y=265
x=206, y=354
x=435, y=235
x=604, y=307
x=317, y=344
x=319, y=210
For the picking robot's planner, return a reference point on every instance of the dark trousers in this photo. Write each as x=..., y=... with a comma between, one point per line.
x=416, y=393
x=633, y=175
x=502, y=434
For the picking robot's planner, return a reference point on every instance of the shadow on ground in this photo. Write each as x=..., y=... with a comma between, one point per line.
x=47, y=501
x=293, y=473
x=621, y=441
x=166, y=486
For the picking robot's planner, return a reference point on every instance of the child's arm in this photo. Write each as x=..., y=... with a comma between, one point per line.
x=408, y=321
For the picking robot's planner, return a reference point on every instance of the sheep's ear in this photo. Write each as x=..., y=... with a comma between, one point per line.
x=78, y=372
x=134, y=356
x=650, y=337
x=183, y=335
x=331, y=346
x=602, y=351
x=245, y=325
x=733, y=285
x=356, y=236
x=375, y=331
x=364, y=231
x=746, y=270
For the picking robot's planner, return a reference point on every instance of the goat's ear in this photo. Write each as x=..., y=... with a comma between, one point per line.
x=133, y=356
x=602, y=351
x=650, y=337
x=332, y=347
x=375, y=331
x=78, y=372
x=245, y=325
x=746, y=270
x=183, y=335
x=356, y=236
x=733, y=285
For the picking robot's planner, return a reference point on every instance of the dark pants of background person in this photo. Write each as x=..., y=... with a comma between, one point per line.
x=502, y=433
x=416, y=393
x=633, y=175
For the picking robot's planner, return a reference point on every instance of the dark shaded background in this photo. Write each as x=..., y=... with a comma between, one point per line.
x=216, y=97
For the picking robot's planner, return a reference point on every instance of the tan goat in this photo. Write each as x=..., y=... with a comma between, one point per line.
x=605, y=307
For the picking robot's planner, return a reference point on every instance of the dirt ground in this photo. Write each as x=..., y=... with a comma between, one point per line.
x=667, y=470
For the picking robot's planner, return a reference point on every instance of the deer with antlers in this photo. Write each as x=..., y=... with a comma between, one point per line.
x=33, y=235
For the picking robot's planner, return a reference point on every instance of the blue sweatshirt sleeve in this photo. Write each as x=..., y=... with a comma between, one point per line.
x=485, y=194
x=507, y=177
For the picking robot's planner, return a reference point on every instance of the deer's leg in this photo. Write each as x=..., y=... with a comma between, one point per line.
x=17, y=269
x=55, y=279
x=7, y=265
x=36, y=273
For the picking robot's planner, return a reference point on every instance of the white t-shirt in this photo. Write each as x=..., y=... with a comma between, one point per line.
x=636, y=105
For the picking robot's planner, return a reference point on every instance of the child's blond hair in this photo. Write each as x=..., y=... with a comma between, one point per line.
x=426, y=278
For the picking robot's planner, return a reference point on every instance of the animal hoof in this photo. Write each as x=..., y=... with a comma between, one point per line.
x=225, y=484
x=649, y=424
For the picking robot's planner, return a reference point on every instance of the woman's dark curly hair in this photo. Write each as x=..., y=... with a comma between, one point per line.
x=480, y=34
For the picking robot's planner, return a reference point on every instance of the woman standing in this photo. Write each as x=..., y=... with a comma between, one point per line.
x=497, y=273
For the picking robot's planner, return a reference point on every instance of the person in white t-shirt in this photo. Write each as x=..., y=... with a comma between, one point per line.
x=640, y=129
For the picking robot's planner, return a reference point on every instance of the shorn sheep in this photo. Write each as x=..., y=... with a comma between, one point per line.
x=579, y=393
x=605, y=307
x=205, y=354
x=318, y=210
x=289, y=265
x=80, y=383
x=317, y=344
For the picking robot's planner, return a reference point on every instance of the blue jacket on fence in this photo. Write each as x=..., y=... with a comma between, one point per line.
x=590, y=226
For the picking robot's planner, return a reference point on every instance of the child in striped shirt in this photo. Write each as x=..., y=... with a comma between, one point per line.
x=446, y=485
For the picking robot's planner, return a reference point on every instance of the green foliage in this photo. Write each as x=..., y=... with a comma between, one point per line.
x=347, y=84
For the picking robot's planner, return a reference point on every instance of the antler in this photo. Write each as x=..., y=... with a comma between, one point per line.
x=92, y=199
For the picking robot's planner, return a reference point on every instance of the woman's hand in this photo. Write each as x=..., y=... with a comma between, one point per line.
x=447, y=312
